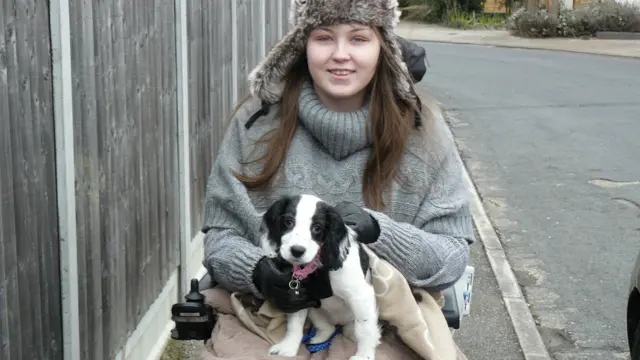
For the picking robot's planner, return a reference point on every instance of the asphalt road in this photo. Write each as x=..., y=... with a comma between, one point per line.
x=552, y=141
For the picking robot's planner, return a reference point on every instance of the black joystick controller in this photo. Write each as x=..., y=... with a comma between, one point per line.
x=194, y=318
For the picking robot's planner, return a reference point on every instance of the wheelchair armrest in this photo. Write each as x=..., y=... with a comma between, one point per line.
x=451, y=310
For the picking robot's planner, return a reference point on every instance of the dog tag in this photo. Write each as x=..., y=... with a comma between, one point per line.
x=294, y=285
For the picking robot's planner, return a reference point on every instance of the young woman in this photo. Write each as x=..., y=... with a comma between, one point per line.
x=334, y=113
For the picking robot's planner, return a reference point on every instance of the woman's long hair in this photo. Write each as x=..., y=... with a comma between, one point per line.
x=390, y=124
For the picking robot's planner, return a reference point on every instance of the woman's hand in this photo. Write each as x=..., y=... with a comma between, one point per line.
x=360, y=221
x=273, y=283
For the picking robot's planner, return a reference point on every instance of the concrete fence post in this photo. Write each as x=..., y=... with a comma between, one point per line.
x=182, y=71
x=263, y=23
x=234, y=52
x=65, y=175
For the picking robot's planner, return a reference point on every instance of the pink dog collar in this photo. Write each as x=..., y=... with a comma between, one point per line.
x=300, y=273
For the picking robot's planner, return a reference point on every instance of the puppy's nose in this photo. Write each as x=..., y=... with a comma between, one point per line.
x=297, y=250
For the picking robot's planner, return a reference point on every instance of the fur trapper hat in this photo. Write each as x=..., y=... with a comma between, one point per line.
x=267, y=79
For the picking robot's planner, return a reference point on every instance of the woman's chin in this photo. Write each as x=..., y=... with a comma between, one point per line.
x=340, y=94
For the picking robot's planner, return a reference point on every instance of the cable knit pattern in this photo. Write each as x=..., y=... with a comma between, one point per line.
x=341, y=133
x=426, y=228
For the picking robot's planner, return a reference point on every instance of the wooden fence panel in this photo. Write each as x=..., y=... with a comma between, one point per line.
x=30, y=317
x=286, y=6
x=124, y=106
x=272, y=26
x=211, y=80
x=210, y=90
x=250, y=28
x=127, y=196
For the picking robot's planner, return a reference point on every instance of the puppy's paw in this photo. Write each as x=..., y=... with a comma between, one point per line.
x=284, y=349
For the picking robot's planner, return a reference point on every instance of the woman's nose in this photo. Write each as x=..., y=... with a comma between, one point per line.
x=341, y=52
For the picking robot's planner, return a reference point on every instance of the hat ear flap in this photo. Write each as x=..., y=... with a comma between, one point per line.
x=266, y=81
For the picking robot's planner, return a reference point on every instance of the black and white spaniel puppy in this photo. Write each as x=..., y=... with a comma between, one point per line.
x=309, y=234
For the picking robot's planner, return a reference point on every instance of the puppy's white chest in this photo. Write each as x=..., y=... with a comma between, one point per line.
x=347, y=288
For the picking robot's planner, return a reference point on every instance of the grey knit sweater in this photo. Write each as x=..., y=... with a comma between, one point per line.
x=426, y=228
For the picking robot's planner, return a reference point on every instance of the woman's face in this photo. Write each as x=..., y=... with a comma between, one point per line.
x=342, y=61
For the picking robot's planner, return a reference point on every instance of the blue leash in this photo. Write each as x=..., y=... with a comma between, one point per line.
x=313, y=348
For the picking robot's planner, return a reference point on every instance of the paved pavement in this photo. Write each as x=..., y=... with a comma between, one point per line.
x=487, y=333
x=502, y=38
x=541, y=132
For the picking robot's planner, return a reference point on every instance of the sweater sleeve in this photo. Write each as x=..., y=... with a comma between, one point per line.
x=231, y=251
x=432, y=251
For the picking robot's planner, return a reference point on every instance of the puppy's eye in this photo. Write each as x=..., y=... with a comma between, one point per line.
x=316, y=229
x=289, y=223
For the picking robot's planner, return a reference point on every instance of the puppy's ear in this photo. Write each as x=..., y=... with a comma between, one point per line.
x=335, y=244
x=271, y=217
x=264, y=240
x=270, y=227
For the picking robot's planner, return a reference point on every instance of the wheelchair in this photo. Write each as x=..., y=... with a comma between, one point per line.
x=195, y=320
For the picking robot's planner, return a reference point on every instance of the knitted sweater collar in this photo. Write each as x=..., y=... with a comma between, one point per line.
x=341, y=133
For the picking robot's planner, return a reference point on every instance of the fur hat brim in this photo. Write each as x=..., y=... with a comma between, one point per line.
x=266, y=81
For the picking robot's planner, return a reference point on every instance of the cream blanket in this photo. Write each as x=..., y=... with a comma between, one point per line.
x=413, y=323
